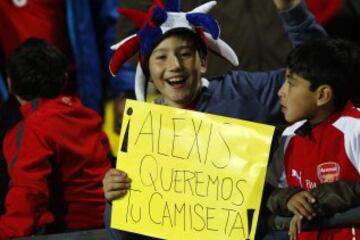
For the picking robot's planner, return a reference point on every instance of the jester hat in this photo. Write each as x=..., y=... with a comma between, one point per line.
x=162, y=19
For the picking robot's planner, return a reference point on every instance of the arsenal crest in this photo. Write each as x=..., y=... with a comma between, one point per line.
x=328, y=172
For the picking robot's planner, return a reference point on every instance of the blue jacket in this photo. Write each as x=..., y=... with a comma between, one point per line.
x=245, y=95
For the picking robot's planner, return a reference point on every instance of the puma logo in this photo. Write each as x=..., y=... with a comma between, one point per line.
x=297, y=175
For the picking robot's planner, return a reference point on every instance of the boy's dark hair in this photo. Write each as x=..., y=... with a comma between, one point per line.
x=37, y=69
x=334, y=62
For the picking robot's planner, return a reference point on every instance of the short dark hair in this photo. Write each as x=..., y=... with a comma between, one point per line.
x=335, y=62
x=37, y=69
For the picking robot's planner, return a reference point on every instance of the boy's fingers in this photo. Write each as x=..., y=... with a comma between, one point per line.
x=300, y=210
x=118, y=179
x=292, y=230
x=301, y=204
x=298, y=222
x=112, y=195
x=117, y=186
x=305, y=207
x=115, y=172
x=115, y=176
x=309, y=197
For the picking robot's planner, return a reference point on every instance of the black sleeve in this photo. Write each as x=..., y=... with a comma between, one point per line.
x=336, y=197
x=275, y=169
x=339, y=220
x=278, y=199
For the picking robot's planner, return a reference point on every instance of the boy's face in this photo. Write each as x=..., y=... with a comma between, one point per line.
x=296, y=99
x=175, y=69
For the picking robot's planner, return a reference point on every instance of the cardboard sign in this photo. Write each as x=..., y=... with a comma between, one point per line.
x=194, y=175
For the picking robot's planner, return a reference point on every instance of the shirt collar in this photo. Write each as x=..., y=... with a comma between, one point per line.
x=305, y=129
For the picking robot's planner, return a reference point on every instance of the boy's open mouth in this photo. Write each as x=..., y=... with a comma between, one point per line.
x=176, y=81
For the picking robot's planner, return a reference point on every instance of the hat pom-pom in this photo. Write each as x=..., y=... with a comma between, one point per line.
x=159, y=16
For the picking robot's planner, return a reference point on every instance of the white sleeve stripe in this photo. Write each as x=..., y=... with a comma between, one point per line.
x=350, y=127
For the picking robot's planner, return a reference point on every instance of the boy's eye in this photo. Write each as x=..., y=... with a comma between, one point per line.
x=290, y=83
x=185, y=53
x=160, y=57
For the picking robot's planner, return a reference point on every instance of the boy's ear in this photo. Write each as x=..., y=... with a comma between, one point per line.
x=325, y=95
x=204, y=65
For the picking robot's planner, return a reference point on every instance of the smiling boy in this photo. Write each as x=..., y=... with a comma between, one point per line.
x=173, y=55
x=175, y=67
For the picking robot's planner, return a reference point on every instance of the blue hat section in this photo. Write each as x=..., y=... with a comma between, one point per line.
x=124, y=80
x=3, y=90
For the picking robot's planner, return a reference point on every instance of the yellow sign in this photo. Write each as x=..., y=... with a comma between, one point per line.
x=194, y=175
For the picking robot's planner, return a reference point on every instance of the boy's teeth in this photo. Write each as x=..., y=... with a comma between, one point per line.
x=175, y=80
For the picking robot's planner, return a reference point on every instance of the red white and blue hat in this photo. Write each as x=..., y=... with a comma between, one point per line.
x=159, y=20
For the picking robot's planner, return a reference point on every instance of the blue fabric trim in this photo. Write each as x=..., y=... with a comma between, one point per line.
x=205, y=21
x=173, y=5
x=3, y=90
x=124, y=80
x=148, y=37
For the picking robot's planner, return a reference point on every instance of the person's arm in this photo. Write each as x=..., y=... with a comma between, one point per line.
x=278, y=200
x=337, y=205
x=293, y=202
x=341, y=195
x=27, y=199
x=284, y=200
x=298, y=22
x=339, y=220
x=115, y=185
x=275, y=173
x=301, y=26
x=336, y=197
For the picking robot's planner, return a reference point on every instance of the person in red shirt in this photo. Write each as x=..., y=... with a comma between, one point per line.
x=320, y=151
x=57, y=155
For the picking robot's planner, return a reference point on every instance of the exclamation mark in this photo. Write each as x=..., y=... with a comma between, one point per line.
x=124, y=145
x=250, y=215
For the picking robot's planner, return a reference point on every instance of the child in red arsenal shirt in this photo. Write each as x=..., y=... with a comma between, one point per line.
x=320, y=151
x=57, y=155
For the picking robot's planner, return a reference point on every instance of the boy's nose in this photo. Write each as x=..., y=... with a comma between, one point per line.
x=174, y=62
x=280, y=93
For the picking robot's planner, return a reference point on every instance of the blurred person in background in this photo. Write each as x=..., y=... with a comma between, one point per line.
x=56, y=155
